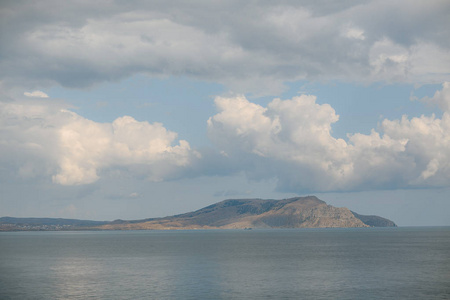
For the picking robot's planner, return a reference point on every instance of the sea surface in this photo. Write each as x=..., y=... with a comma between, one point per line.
x=356, y=263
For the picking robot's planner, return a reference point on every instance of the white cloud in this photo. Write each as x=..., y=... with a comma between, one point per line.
x=355, y=33
x=44, y=138
x=291, y=140
x=428, y=141
x=36, y=94
x=389, y=60
x=440, y=98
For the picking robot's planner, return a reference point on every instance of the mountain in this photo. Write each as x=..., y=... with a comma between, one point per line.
x=298, y=212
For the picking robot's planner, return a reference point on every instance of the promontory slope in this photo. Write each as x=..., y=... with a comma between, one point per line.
x=298, y=212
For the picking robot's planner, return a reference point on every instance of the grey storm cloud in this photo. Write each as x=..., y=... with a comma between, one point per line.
x=252, y=46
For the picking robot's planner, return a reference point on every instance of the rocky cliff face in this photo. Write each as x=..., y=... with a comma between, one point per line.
x=299, y=212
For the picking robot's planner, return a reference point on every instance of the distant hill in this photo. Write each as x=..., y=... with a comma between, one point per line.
x=298, y=212
x=10, y=223
x=374, y=221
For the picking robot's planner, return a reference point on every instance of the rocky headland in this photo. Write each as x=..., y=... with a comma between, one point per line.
x=298, y=212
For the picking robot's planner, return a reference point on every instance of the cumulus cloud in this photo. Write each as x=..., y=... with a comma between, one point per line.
x=291, y=140
x=254, y=47
x=36, y=94
x=441, y=98
x=45, y=138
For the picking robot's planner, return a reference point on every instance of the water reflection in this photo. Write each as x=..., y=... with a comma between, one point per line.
x=290, y=264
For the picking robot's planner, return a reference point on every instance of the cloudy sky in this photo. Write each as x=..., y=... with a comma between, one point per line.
x=137, y=109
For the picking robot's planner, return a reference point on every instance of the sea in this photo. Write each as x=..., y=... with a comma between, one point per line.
x=350, y=263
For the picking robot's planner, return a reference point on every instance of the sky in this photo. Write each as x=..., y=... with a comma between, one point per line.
x=136, y=109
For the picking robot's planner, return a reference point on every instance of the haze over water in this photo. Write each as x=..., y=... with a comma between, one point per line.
x=367, y=263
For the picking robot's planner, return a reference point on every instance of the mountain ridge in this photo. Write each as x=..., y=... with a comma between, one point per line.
x=296, y=212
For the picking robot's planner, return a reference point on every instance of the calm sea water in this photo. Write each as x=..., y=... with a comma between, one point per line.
x=366, y=263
